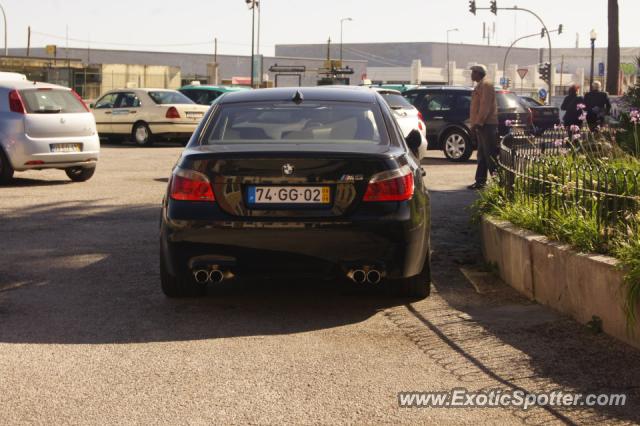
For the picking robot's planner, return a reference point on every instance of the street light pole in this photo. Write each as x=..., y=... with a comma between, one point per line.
x=593, y=35
x=4, y=15
x=341, y=27
x=448, y=61
x=253, y=37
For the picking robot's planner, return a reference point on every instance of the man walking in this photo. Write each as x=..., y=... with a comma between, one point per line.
x=484, y=125
x=598, y=105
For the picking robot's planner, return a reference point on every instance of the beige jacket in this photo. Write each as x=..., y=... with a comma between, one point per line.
x=484, y=108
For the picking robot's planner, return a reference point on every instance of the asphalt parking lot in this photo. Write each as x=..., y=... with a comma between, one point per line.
x=86, y=335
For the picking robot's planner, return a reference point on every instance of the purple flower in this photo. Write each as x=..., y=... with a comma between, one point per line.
x=574, y=128
x=576, y=136
x=508, y=123
x=583, y=116
x=581, y=106
x=558, y=143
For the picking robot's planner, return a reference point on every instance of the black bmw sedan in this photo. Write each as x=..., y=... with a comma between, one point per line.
x=299, y=182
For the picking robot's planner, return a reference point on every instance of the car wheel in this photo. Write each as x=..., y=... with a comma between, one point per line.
x=418, y=286
x=80, y=174
x=6, y=169
x=457, y=146
x=175, y=287
x=141, y=134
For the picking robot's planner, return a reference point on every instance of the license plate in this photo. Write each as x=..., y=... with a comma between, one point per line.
x=66, y=147
x=289, y=195
x=194, y=115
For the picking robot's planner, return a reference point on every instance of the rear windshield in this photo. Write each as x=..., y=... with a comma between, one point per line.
x=396, y=101
x=168, y=97
x=510, y=102
x=325, y=122
x=51, y=101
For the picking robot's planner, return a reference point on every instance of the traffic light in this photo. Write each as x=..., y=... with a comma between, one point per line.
x=542, y=33
x=560, y=29
x=545, y=72
x=472, y=6
x=494, y=7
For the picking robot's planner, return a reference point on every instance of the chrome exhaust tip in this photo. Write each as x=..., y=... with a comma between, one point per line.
x=216, y=276
x=358, y=276
x=201, y=276
x=374, y=276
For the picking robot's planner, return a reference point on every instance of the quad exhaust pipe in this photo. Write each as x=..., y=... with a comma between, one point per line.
x=203, y=276
x=365, y=275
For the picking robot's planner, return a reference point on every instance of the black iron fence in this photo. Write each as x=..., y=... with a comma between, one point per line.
x=560, y=173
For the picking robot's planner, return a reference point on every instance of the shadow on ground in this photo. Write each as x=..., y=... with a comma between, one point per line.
x=97, y=281
x=488, y=327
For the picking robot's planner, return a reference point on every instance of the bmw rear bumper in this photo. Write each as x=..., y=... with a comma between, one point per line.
x=397, y=243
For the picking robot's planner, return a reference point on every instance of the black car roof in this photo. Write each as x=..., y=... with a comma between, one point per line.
x=456, y=88
x=329, y=93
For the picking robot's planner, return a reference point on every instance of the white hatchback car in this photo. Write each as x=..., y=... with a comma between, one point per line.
x=144, y=114
x=407, y=116
x=44, y=126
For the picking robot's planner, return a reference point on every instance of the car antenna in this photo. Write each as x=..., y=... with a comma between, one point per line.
x=297, y=98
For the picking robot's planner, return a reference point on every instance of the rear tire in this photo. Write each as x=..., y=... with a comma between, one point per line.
x=80, y=174
x=175, y=287
x=457, y=146
x=418, y=286
x=141, y=134
x=6, y=169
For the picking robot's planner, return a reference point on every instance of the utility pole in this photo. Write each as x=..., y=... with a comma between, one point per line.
x=215, y=50
x=28, y=40
x=253, y=38
x=4, y=15
x=494, y=9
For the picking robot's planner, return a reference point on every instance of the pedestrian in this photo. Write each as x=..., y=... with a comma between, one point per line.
x=570, y=105
x=598, y=105
x=484, y=125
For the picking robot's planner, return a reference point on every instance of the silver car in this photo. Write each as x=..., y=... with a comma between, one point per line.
x=44, y=126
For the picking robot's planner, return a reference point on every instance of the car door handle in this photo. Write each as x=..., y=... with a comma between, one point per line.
x=132, y=112
x=107, y=112
x=438, y=118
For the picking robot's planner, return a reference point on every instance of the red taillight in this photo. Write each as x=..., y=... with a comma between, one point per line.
x=188, y=185
x=15, y=102
x=75, y=94
x=420, y=116
x=396, y=185
x=172, y=112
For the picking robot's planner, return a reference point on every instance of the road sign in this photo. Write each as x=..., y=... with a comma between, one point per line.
x=522, y=72
x=503, y=81
x=542, y=93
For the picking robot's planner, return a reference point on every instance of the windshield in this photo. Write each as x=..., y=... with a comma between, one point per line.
x=396, y=101
x=169, y=97
x=510, y=102
x=338, y=122
x=51, y=101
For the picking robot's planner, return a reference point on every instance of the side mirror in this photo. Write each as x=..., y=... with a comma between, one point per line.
x=92, y=106
x=414, y=140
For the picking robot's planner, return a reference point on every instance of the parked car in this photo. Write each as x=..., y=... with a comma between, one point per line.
x=408, y=116
x=145, y=114
x=205, y=95
x=544, y=116
x=305, y=182
x=44, y=126
x=446, y=113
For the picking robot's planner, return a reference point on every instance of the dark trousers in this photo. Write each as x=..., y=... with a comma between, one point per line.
x=487, y=137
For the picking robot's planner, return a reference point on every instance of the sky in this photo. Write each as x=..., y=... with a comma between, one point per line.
x=191, y=26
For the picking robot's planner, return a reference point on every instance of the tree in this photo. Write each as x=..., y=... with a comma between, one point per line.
x=613, y=51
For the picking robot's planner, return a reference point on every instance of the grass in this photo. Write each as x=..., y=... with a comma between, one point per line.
x=571, y=224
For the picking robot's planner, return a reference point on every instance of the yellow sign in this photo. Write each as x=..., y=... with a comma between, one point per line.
x=51, y=49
